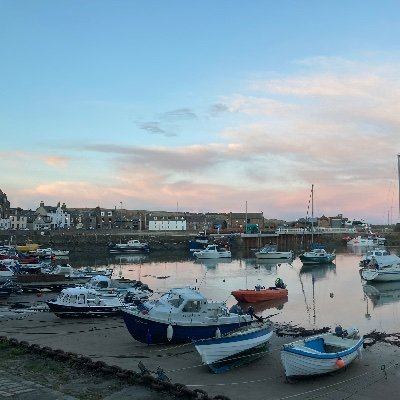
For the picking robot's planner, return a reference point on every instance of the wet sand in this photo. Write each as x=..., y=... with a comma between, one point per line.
x=108, y=340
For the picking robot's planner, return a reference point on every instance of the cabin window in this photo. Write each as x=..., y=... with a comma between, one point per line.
x=81, y=299
x=176, y=302
x=192, y=306
x=73, y=299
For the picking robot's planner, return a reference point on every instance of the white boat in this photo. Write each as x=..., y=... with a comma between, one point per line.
x=368, y=241
x=321, y=354
x=75, y=273
x=213, y=251
x=180, y=316
x=380, y=257
x=270, y=253
x=6, y=272
x=84, y=302
x=386, y=273
x=60, y=253
x=131, y=246
x=131, y=291
x=235, y=348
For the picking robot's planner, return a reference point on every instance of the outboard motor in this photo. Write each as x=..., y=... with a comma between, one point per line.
x=250, y=311
x=236, y=309
x=339, y=331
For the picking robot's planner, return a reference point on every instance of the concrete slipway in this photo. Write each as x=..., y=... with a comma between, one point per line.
x=376, y=375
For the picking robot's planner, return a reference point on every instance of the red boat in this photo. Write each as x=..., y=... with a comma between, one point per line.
x=260, y=293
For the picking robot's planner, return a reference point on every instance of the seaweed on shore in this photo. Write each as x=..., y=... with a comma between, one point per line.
x=295, y=331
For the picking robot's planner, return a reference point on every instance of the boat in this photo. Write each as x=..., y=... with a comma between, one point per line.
x=235, y=348
x=260, y=293
x=321, y=354
x=270, y=252
x=317, y=256
x=84, y=302
x=60, y=253
x=6, y=272
x=379, y=256
x=179, y=316
x=131, y=246
x=213, y=251
x=75, y=273
x=131, y=291
x=199, y=242
x=317, y=253
x=368, y=241
x=27, y=247
x=379, y=273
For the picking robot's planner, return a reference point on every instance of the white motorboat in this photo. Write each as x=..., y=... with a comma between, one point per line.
x=270, y=253
x=213, y=251
x=84, y=302
x=131, y=246
x=131, y=291
x=180, y=316
x=379, y=273
x=379, y=257
x=321, y=354
x=367, y=241
x=235, y=348
x=6, y=272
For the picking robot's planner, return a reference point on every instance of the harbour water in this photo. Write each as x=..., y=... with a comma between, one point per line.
x=319, y=296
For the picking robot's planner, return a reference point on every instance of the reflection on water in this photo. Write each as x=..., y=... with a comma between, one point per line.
x=320, y=295
x=320, y=271
x=260, y=307
x=382, y=293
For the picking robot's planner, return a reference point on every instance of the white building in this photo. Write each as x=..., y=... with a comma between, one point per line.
x=167, y=223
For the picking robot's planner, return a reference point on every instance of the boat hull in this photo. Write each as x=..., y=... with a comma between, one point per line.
x=65, y=311
x=374, y=275
x=299, y=361
x=253, y=296
x=146, y=330
x=237, y=348
x=317, y=260
x=278, y=256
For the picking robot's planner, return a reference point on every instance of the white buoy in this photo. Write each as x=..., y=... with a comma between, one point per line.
x=170, y=332
x=217, y=333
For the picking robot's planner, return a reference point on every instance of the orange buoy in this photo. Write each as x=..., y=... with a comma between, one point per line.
x=340, y=363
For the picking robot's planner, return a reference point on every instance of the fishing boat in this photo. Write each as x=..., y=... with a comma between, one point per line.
x=179, y=316
x=385, y=273
x=84, y=302
x=235, y=348
x=321, y=354
x=213, y=251
x=131, y=246
x=260, y=293
x=270, y=252
x=317, y=253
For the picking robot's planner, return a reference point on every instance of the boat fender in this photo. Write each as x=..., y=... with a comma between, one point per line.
x=217, y=333
x=170, y=332
x=340, y=363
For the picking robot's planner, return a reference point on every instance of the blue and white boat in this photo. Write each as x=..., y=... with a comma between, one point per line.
x=181, y=315
x=384, y=273
x=321, y=354
x=236, y=348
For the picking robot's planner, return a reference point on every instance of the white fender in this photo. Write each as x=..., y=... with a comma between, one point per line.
x=217, y=333
x=170, y=332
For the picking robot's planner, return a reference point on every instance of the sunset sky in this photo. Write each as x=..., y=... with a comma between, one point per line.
x=202, y=105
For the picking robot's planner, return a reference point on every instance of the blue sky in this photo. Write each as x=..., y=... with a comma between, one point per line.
x=202, y=106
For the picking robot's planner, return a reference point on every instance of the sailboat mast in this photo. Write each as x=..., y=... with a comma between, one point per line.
x=312, y=213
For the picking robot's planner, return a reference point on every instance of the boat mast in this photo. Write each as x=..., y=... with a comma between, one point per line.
x=398, y=173
x=312, y=214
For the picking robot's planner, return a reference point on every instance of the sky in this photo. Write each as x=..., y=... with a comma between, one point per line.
x=202, y=106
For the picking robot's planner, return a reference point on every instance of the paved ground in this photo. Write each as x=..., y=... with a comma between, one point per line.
x=376, y=375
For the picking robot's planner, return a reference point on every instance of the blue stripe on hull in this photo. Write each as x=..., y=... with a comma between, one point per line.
x=146, y=331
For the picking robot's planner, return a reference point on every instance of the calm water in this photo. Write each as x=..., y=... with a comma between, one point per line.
x=319, y=296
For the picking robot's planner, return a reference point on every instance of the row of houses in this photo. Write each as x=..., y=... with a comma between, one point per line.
x=60, y=217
